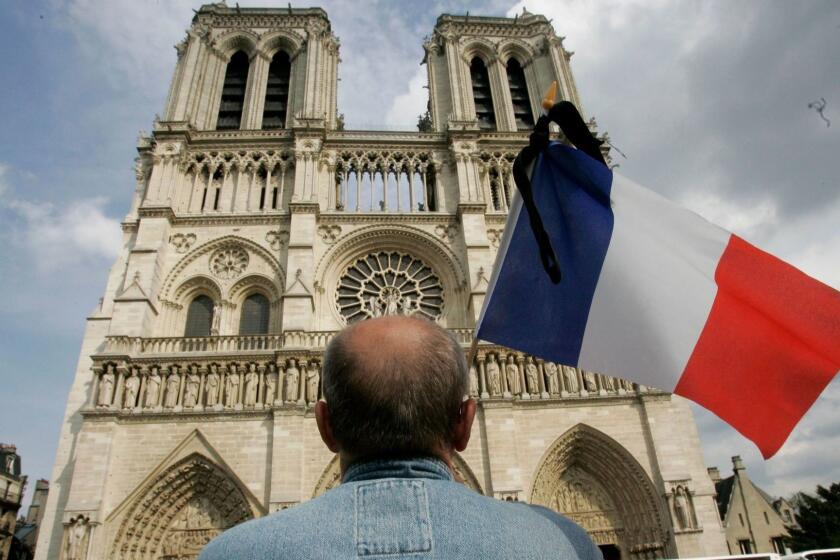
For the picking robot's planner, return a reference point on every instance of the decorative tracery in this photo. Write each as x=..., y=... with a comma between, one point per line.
x=385, y=180
x=389, y=283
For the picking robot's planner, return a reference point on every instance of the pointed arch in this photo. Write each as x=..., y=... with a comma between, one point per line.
x=239, y=39
x=398, y=237
x=590, y=477
x=178, y=271
x=177, y=512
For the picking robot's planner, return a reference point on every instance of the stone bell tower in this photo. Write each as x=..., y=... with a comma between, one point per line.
x=490, y=73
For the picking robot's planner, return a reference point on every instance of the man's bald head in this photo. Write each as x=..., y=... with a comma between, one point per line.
x=394, y=386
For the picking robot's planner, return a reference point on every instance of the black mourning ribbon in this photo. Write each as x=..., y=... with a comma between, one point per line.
x=566, y=115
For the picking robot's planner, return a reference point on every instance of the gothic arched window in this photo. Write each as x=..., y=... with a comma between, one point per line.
x=233, y=92
x=255, y=312
x=199, y=317
x=523, y=117
x=277, y=92
x=482, y=96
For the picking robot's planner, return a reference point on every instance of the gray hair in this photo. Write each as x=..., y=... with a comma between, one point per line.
x=393, y=405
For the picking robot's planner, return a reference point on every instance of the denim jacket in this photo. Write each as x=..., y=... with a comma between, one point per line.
x=407, y=508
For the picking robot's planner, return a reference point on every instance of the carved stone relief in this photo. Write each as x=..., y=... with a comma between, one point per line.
x=594, y=480
x=277, y=239
x=182, y=241
x=229, y=262
x=179, y=512
x=329, y=234
x=447, y=233
x=76, y=539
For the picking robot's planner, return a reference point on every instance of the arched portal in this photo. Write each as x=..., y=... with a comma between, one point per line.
x=179, y=512
x=331, y=476
x=592, y=479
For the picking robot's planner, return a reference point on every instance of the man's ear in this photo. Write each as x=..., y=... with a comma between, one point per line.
x=463, y=426
x=322, y=418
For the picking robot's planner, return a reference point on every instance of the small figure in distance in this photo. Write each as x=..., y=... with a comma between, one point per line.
x=396, y=410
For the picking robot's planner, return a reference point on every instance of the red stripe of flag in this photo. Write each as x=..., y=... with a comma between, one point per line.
x=770, y=346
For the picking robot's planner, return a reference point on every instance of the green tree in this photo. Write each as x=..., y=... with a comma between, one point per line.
x=818, y=519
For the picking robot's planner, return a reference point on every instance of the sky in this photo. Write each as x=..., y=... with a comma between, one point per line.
x=707, y=100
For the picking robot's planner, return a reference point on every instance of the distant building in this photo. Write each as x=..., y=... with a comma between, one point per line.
x=26, y=533
x=12, y=484
x=754, y=521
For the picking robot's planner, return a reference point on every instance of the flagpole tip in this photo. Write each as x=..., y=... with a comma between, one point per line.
x=550, y=96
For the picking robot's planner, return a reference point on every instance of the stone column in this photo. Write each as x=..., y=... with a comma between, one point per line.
x=485, y=394
x=523, y=386
x=252, y=110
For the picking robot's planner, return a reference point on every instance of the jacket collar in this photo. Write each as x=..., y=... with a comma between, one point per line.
x=412, y=467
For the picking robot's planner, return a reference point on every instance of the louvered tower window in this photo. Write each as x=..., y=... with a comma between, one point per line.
x=199, y=317
x=277, y=92
x=233, y=92
x=481, y=95
x=522, y=114
x=255, y=311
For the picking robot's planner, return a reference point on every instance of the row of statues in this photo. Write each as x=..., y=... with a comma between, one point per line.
x=497, y=375
x=232, y=386
x=253, y=385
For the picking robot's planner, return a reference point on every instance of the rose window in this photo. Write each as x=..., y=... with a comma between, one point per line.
x=389, y=283
x=228, y=262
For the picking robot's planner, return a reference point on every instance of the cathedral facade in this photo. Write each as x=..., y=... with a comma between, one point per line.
x=260, y=227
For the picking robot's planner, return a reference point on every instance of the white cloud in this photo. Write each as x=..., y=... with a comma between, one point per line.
x=52, y=237
x=407, y=106
x=134, y=40
x=729, y=215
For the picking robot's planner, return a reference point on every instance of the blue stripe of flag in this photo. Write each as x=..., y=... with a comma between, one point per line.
x=525, y=310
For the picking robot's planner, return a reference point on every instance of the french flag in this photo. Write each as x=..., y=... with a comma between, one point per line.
x=653, y=293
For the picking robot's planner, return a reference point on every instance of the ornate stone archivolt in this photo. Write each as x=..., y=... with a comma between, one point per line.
x=599, y=484
x=176, y=276
x=388, y=283
x=331, y=477
x=180, y=511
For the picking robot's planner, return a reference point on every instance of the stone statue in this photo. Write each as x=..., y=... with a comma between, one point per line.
x=76, y=539
x=392, y=302
x=589, y=382
x=531, y=374
x=374, y=307
x=132, y=386
x=473, y=381
x=192, y=387
x=313, y=378
x=232, y=388
x=252, y=385
x=609, y=383
x=153, y=388
x=512, y=376
x=270, y=385
x=553, y=377
x=211, y=386
x=570, y=378
x=682, y=508
x=106, y=387
x=292, y=381
x=494, y=377
x=217, y=319
x=173, y=385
